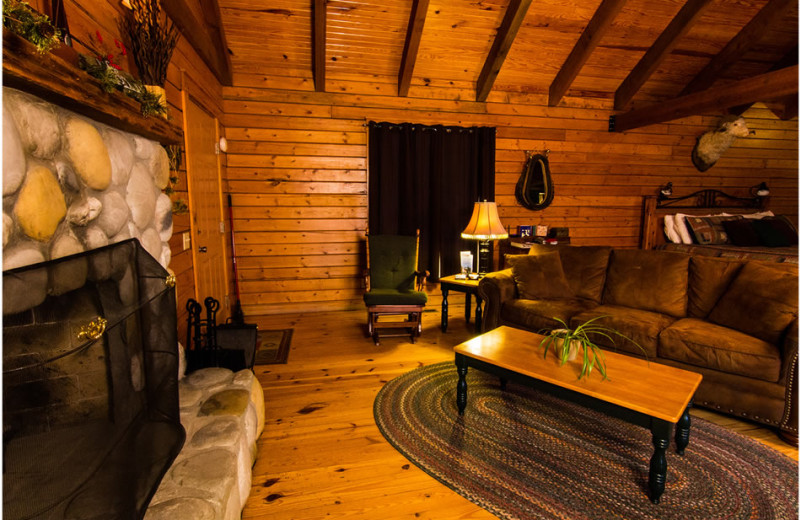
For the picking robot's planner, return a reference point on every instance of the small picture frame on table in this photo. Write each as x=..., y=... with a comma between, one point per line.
x=466, y=262
x=525, y=231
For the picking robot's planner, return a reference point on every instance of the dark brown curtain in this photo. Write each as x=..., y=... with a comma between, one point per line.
x=429, y=178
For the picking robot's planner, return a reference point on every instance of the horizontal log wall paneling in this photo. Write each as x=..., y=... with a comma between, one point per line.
x=297, y=164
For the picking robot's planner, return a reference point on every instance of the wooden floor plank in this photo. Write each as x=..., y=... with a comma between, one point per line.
x=321, y=454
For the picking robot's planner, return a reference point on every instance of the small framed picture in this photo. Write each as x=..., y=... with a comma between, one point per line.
x=466, y=261
x=525, y=231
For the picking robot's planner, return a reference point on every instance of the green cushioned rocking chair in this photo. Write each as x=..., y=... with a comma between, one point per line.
x=394, y=285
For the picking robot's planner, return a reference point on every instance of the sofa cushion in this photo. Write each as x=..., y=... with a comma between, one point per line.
x=392, y=297
x=703, y=344
x=650, y=280
x=540, y=315
x=638, y=325
x=761, y=301
x=540, y=277
x=585, y=268
x=709, y=277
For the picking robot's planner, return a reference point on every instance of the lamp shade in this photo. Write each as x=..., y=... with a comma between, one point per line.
x=484, y=223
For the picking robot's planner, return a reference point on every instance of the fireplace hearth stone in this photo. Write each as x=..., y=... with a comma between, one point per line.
x=211, y=477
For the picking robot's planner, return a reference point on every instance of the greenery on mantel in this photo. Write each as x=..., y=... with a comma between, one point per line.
x=22, y=19
x=113, y=79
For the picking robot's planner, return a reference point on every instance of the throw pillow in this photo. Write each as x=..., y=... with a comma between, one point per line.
x=680, y=227
x=775, y=231
x=670, y=230
x=709, y=278
x=540, y=277
x=761, y=301
x=709, y=230
x=585, y=268
x=741, y=232
x=650, y=280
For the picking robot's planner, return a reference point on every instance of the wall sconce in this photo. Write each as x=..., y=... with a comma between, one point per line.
x=221, y=146
x=665, y=191
x=762, y=190
x=484, y=225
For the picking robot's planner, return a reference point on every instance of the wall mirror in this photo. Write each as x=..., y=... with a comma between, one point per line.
x=535, y=186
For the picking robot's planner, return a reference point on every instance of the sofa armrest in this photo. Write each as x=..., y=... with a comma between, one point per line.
x=494, y=289
x=789, y=377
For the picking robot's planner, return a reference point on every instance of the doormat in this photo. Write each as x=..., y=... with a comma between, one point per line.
x=273, y=346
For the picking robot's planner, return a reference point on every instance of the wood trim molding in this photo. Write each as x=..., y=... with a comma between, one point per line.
x=416, y=22
x=586, y=44
x=61, y=83
x=207, y=36
x=318, y=46
x=512, y=21
x=667, y=40
x=769, y=85
x=739, y=45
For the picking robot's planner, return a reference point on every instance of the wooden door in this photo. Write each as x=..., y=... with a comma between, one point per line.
x=201, y=133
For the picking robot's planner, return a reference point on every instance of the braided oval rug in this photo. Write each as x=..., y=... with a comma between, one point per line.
x=522, y=454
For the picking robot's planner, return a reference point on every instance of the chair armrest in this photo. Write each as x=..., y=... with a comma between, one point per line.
x=494, y=289
x=422, y=278
x=789, y=377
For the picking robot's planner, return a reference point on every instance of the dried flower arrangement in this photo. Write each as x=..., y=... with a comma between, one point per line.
x=21, y=19
x=152, y=39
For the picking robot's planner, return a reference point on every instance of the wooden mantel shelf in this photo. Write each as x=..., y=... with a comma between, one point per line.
x=59, y=82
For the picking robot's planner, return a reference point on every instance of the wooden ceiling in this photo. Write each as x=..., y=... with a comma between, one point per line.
x=656, y=60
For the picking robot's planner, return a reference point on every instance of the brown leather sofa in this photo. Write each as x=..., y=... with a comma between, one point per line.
x=732, y=320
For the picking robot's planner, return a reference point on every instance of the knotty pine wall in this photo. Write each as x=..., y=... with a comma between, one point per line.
x=186, y=70
x=297, y=163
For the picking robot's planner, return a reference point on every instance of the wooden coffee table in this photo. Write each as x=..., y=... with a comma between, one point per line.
x=650, y=395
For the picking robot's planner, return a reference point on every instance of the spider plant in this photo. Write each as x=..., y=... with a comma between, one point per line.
x=566, y=340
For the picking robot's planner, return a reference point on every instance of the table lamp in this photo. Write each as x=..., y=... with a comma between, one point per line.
x=484, y=225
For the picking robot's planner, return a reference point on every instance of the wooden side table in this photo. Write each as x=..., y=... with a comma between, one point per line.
x=469, y=288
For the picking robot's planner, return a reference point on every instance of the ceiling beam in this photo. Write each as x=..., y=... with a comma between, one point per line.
x=790, y=58
x=789, y=108
x=769, y=85
x=739, y=45
x=512, y=21
x=207, y=37
x=677, y=28
x=588, y=41
x=318, y=50
x=419, y=10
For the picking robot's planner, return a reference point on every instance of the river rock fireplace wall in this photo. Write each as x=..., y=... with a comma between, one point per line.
x=71, y=184
x=90, y=424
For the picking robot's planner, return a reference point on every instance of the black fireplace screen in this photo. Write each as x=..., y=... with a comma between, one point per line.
x=90, y=407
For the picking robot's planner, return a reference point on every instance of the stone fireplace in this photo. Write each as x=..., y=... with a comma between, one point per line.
x=71, y=184
x=90, y=423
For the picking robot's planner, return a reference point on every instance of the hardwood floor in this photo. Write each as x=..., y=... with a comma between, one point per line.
x=321, y=454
